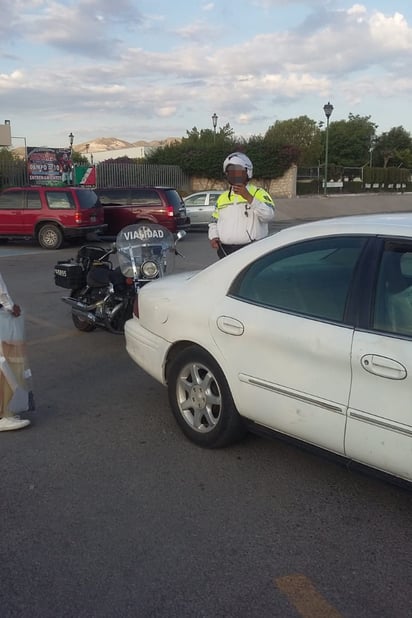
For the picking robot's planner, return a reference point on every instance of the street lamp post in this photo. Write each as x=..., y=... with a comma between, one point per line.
x=214, y=122
x=328, y=109
x=71, y=140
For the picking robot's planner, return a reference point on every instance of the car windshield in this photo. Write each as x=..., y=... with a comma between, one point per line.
x=145, y=242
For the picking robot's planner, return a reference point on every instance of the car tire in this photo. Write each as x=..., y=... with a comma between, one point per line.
x=50, y=236
x=201, y=400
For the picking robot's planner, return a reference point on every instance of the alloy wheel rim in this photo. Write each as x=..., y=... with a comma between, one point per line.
x=199, y=397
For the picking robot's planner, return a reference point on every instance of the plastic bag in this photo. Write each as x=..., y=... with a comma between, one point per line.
x=16, y=393
x=11, y=327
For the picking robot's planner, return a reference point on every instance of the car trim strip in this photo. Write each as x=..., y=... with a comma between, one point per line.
x=294, y=395
x=360, y=416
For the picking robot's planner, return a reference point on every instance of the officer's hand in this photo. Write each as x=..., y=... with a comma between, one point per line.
x=16, y=311
x=242, y=190
x=214, y=243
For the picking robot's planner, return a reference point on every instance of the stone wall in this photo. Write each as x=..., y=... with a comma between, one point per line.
x=285, y=186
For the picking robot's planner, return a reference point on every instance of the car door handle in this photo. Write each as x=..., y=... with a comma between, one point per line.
x=230, y=326
x=384, y=367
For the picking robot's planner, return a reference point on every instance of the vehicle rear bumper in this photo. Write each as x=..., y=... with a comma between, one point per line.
x=183, y=224
x=149, y=351
x=78, y=232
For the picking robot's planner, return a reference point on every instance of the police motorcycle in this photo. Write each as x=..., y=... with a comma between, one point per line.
x=102, y=295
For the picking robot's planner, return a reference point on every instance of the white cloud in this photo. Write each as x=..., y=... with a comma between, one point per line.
x=109, y=69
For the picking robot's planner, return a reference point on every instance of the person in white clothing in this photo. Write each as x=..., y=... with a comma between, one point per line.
x=13, y=398
x=242, y=213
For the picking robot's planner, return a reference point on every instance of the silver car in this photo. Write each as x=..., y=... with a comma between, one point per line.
x=200, y=206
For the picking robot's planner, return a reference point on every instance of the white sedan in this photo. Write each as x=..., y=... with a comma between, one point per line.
x=306, y=333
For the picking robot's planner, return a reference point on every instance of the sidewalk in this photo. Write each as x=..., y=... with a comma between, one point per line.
x=321, y=207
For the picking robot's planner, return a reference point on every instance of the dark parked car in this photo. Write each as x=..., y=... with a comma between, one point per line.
x=49, y=214
x=129, y=205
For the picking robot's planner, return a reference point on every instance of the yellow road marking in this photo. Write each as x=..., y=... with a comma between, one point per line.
x=37, y=321
x=305, y=598
x=57, y=337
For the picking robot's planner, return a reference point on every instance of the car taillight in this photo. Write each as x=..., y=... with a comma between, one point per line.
x=136, y=306
x=170, y=211
x=78, y=217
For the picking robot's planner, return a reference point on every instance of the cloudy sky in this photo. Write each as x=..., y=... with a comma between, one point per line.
x=144, y=69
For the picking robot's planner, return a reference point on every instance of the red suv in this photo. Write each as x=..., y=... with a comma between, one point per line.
x=128, y=205
x=50, y=214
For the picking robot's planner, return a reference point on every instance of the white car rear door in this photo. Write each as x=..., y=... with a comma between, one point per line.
x=379, y=429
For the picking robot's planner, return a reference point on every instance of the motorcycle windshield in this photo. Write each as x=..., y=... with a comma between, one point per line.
x=145, y=247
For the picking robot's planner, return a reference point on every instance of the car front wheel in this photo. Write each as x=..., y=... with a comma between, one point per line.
x=201, y=400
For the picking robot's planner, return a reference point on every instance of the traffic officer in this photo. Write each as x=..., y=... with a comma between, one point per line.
x=242, y=213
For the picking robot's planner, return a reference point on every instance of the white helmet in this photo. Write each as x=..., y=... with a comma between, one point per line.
x=238, y=158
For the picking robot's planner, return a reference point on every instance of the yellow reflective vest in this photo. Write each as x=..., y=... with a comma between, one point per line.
x=236, y=222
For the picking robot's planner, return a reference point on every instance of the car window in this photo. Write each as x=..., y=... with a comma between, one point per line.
x=145, y=196
x=174, y=198
x=196, y=200
x=87, y=199
x=393, y=299
x=59, y=200
x=12, y=200
x=311, y=277
x=114, y=196
x=33, y=200
x=213, y=198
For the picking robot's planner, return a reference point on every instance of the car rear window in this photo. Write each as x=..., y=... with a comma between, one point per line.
x=174, y=199
x=145, y=196
x=88, y=199
x=114, y=196
x=59, y=200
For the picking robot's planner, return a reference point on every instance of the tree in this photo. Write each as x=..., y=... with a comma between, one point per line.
x=302, y=133
x=200, y=153
x=208, y=135
x=395, y=147
x=350, y=140
x=79, y=159
x=12, y=169
x=6, y=156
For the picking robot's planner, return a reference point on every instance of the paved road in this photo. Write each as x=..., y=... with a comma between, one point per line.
x=108, y=511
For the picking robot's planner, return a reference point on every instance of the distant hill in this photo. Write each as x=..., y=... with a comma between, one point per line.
x=101, y=144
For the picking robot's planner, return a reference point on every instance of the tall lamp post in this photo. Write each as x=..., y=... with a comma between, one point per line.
x=214, y=122
x=71, y=139
x=328, y=109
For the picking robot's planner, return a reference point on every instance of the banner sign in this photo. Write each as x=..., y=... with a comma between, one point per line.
x=49, y=166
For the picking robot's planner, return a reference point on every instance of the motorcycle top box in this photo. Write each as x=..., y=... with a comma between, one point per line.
x=72, y=274
x=69, y=275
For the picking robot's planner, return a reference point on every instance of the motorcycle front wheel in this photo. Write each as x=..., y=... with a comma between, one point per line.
x=81, y=323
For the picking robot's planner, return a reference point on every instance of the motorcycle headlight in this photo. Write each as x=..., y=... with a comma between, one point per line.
x=150, y=269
